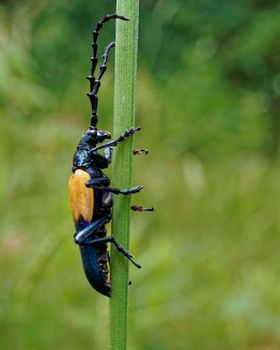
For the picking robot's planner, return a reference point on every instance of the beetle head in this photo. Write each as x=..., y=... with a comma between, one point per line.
x=94, y=135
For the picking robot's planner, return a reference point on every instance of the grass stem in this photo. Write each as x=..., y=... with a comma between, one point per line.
x=124, y=117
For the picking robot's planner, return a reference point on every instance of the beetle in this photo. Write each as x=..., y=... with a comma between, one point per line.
x=89, y=188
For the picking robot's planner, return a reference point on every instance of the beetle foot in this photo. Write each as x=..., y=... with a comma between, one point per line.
x=136, y=189
x=141, y=208
x=128, y=133
x=126, y=253
x=137, y=151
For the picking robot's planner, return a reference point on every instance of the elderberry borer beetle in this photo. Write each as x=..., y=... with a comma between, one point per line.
x=90, y=191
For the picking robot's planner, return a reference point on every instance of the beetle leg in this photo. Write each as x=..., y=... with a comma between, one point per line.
x=120, y=248
x=114, y=143
x=97, y=181
x=110, y=144
x=141, y=208
x=81, y=236
x=108, y=154
x=137, y=151
x=124, y=252
x=118, y=190
x=128, y=133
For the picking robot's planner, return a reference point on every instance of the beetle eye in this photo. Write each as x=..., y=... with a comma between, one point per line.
x=91, y=132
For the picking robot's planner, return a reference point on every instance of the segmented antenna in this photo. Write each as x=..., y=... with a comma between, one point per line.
x=95, y=82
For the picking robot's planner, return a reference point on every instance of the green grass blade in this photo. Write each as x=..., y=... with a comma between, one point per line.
x=124, y=116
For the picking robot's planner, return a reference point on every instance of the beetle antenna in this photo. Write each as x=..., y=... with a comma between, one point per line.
x=95, y=83
x=94, y=90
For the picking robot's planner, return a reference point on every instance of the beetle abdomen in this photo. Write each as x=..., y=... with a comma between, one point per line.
x=81, y=199
x=96, y=277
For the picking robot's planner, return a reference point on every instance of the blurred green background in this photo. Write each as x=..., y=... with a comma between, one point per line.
x=208, y=100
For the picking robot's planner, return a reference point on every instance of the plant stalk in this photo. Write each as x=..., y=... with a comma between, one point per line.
x=124, y=118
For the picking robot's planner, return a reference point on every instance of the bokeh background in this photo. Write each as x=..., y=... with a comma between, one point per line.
x=208, y=100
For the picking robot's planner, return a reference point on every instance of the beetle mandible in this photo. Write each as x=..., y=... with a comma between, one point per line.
x=90, y=191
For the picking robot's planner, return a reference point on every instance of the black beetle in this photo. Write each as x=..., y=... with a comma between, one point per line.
x=90, y=191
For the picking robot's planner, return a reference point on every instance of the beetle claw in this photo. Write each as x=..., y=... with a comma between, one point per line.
x=141, y=208
x=137, y=151
x=137, y=189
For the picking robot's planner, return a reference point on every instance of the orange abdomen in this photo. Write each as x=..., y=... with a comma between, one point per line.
x=81, y=197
